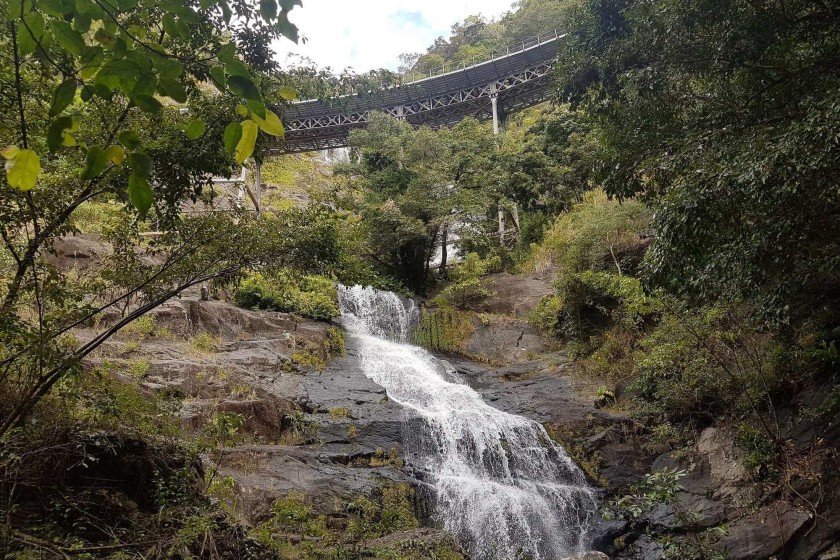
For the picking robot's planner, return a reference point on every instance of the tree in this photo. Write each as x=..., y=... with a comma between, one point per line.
x=129, y=100
x=725, y=114
x=415, y=185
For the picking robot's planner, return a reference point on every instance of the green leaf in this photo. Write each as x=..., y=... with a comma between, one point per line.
x=146, y=84
x=95, y=161
x=243, y=87
x=129, y=139
x=140, y=163
x=286, y=28
x=63, y=96
x=30, y=32
x=288, y=93
x=227, y=14
x=171, y=26
x=140, y=193
x=245, y=147
x=242, y=111
x=226, y=53
x=235, y=67
x=287, y=5
x=271, y=124
x=55, y=133
x=69, y=39
x=195, y=129
x=227, y=56
x=148, y=104
x=82, y=23
x=105, y=37
x=173, y=89
x=167, y=67
x=115, y=154
x=91, y=63
x=18, y=7
x=54, y=8
x=268, y=9
x=22, y=168
x=217, y=73
x=257, y=107
x=233, y=134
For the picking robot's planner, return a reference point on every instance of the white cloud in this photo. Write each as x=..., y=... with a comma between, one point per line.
x=369, y=34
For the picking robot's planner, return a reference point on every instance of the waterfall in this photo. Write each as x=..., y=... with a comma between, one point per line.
x=499, y=483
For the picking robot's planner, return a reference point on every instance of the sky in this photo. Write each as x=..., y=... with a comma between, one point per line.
x=370, y=34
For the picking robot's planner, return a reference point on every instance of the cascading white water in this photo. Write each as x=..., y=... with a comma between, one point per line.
x=500, y=484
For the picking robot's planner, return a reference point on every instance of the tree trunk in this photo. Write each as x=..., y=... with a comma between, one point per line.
x=443, y=248
x=501, y=224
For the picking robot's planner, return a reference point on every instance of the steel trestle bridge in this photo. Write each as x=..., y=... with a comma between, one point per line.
x=488, y=90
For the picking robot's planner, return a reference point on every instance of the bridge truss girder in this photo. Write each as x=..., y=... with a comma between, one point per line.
x=514, y=90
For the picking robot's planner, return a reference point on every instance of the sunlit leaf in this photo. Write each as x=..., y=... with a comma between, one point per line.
x=245, y=147
x=288, y=93
x=22, y=168
x=115, y=154
x=233, y=134
x=271, y=124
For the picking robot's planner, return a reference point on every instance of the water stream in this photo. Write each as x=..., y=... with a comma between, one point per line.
x=499, y=483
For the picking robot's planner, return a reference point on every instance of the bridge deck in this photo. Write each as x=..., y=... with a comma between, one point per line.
x=517, y=80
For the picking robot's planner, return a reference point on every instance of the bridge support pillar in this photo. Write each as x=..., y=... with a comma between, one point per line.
x=494, y=100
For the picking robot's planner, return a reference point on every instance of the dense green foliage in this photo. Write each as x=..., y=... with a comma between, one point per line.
x=726, y=114
x=476, y=38
x=314, y=297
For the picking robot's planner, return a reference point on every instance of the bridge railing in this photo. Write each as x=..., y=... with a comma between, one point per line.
x=528, y=43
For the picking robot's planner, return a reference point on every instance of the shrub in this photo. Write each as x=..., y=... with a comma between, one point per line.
x=597, y=234
x=314, y=297
x=205, y=343
x=591, y=302
x=693, y=369
x=467, y=289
